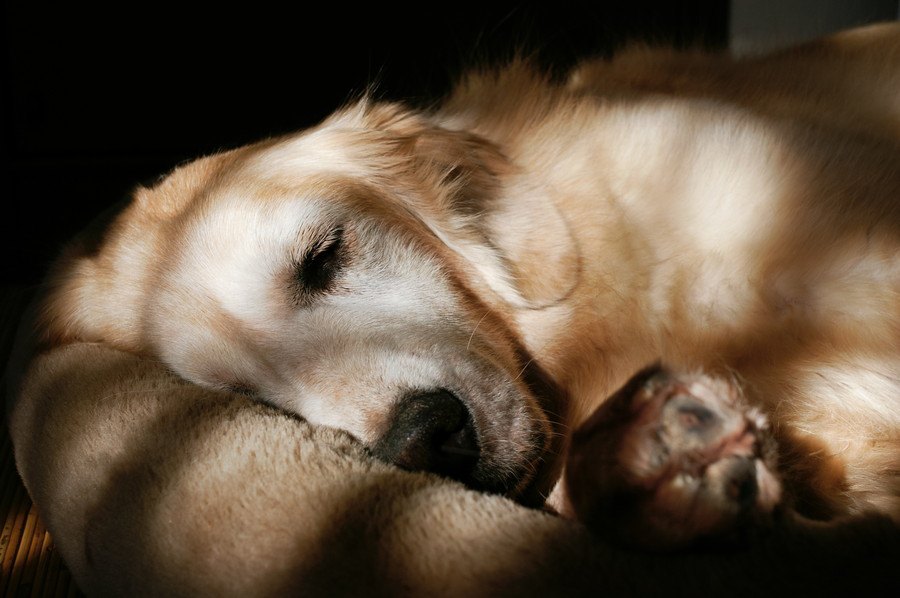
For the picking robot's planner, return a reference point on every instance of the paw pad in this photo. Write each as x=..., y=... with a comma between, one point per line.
x=671, y=460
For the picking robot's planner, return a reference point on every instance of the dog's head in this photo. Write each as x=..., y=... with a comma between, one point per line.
x=351, y=274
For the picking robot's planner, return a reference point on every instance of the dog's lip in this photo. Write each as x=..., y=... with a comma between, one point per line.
x=518, y=481
x=524, y=479
x=549, y=402
x=538, y=469
x=531, y=490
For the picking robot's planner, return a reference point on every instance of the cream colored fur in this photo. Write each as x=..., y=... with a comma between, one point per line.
x=739, y=217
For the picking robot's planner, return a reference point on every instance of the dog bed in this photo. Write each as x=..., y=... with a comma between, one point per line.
x=152, y=486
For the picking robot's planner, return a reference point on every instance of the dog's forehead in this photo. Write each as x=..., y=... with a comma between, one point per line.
x=278, y=185
x=243, y=219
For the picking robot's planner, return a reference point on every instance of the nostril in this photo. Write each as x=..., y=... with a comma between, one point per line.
x=431, y=431
x=460, y=442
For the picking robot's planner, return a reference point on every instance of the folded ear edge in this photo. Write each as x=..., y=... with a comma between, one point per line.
x=510, y=210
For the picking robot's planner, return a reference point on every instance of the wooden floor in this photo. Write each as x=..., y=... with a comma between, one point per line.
x=29, y=563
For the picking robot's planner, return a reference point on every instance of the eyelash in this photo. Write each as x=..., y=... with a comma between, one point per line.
x=317, y=269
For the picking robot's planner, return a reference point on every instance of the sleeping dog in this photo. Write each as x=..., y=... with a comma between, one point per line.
x=461, y=289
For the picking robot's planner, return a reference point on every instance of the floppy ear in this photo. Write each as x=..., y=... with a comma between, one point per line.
x=463, y=168
x=492, y=202
x=537, y=242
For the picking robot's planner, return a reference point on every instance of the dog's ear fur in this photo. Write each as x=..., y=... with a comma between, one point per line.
x=465, y=168
x=489, y=198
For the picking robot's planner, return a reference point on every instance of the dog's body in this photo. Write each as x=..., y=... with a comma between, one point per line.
x=527, y=247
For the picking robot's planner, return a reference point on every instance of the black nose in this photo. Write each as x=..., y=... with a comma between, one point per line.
x=431, y=431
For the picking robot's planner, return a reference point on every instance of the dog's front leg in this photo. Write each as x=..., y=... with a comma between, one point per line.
x=674, y=460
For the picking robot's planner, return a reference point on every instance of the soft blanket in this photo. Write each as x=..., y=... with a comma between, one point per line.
x=152, y=486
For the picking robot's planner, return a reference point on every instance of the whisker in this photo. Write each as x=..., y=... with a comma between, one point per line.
x=522, y=371
x=471, y=336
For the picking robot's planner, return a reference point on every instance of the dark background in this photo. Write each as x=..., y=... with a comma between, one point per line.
x=97, y=97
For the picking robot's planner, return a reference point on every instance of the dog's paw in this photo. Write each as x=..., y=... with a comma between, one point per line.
x=674, y=460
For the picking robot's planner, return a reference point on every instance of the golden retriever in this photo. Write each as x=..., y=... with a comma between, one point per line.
x=460, y=288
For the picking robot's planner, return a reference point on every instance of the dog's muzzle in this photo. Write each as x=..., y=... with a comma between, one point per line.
x=431, y=431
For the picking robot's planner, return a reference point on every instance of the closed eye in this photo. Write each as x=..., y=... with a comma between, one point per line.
x=318, y=267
